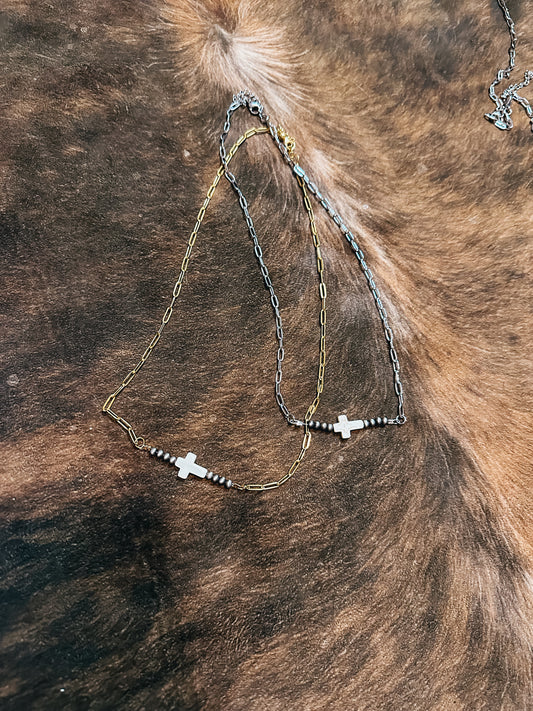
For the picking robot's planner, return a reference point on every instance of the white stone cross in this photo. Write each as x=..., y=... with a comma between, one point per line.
x=188, y=466
x=345, y=426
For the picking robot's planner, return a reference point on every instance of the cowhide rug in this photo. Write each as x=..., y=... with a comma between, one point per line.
x=393, y=571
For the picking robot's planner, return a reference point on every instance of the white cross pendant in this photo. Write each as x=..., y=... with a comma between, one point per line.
x=344, y=426
x=188, y=466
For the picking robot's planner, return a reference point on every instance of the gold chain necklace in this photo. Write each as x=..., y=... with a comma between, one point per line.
x=188, y=465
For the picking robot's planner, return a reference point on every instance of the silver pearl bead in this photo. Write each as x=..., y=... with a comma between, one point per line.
x=228, y=483
x=222, y=480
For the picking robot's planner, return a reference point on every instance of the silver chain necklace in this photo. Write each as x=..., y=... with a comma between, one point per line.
x=247, y=100
x=501, y=116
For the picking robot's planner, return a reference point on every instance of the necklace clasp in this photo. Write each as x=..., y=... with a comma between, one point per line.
x=288, y=141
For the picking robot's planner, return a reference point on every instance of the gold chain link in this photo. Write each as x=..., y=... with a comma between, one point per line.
x=140, y=442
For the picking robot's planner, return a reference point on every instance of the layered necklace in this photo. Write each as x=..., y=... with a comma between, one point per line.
x=344, y=426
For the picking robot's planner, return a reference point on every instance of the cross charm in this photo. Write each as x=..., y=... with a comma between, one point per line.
x=188, y=466
x=345, y=426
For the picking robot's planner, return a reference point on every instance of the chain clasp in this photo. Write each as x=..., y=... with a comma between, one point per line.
x=288, y=142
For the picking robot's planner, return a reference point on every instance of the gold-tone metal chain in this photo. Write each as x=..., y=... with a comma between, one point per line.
x=139, y=441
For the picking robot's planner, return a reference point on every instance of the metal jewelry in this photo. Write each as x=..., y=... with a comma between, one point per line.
x=188, y=465
x=344, y=426
x=501, y=116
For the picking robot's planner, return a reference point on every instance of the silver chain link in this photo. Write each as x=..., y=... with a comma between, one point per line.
x=501, y=116
x=280, y=355
x=248, y=100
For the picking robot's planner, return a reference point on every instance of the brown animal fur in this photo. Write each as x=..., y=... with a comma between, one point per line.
x=394, y=570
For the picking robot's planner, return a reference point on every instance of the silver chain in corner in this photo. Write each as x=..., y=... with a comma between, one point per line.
x=501, y=116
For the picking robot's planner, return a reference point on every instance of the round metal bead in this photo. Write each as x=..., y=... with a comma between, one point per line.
x=166, y=457
x=372, y=423
x=228, y=483
x=317, y=425
x=159, y=453
x=385, y=420
x=366, y=423
x=216, y=477
x=222, y=480
x=378, y=421
x=330, y=427
x=209, y=475
x=324, y=426
x=172, y=461
x=153, y=451
x=311, y=424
